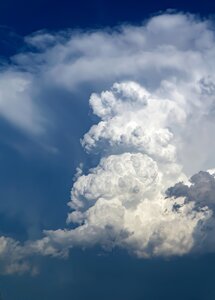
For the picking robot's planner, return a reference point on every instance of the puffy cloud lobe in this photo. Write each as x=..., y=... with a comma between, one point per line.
x=133, y=120
x=117, y=176
x=120, y=204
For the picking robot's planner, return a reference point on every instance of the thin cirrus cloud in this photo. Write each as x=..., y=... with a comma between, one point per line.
x=154, y=97
x=17, y=104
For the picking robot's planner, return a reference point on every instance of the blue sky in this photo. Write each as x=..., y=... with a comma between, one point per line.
x=26, y=17
x=134, y=227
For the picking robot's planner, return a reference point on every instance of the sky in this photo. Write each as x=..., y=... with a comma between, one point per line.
x=107, y=165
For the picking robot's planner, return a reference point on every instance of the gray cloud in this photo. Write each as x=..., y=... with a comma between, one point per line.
x=201, y=190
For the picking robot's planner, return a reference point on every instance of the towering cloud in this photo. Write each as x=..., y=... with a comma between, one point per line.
x=154, y=104
x=123, y=201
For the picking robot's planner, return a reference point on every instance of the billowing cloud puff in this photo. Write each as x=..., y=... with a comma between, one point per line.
x=125, y=111
x=154, y=101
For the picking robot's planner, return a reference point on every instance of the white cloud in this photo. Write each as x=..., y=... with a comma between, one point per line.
x=155, y=129
x=143, y=136
x=145, y=53
x=149, y=54
x=122, y=201
x=17, y=103
x=13, y=257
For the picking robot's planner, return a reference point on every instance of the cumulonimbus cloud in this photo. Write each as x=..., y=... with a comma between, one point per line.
x=154, y=97
x=127, y=200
